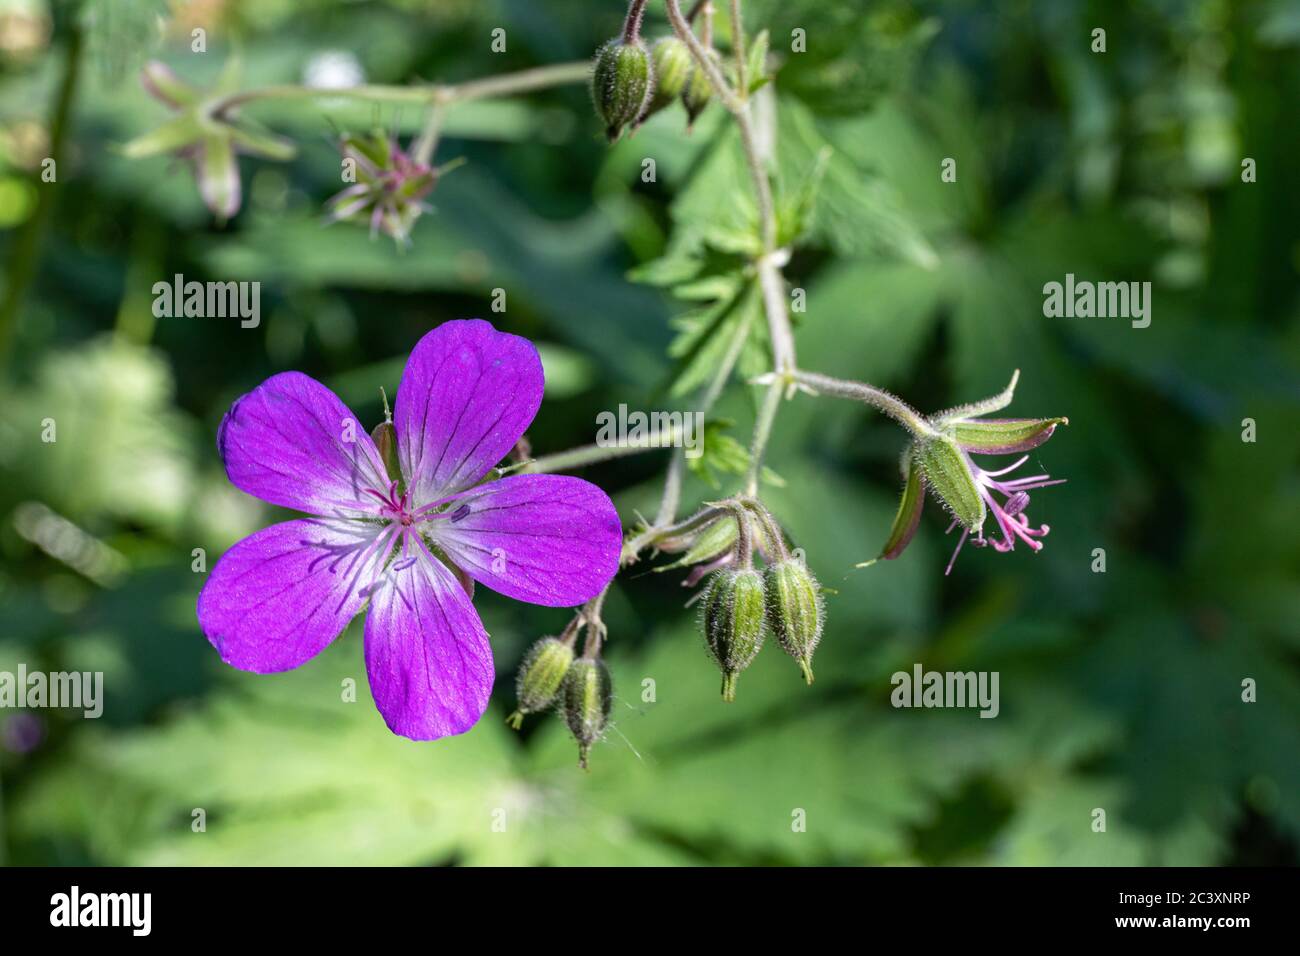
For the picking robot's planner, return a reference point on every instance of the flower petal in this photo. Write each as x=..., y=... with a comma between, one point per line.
x=278, y=597
x=467, y=394
x=292, y=442
x=217, y=172
x=546, y=539
x=162, y=84
x=427, y=653
x=172, y=136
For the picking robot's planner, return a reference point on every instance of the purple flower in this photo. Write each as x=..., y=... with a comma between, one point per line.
x=411, y=544
x=941, y=462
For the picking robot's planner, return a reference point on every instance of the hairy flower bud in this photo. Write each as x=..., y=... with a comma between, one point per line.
x=698, y=93
x=733, y=622
x=672, y=69
x=540, y=677
x=587, y=696
x=621, y=84
x=794, y=610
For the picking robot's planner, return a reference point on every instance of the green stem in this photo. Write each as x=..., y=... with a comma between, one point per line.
x=738, y=47
x=26, y=252
x=762, y=432
x=427, y=142
x=672, y=495
x=891, y=405
x=591, y=454
x=778, y=319
x=638, y=543
x=507, y=84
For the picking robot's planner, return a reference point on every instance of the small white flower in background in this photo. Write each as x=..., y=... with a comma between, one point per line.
x=333, y=70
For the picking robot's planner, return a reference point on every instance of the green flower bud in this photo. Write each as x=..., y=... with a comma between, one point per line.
x=794, y=610
x=587, y=696
x=733, y=622
x=946, y=470
x=672, y=70
x=621, y=84
x=540, y=677
x=697, y=94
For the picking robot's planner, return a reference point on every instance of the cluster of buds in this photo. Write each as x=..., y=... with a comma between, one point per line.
x=940, y=460
x=741, y=604
x=552, y=674
x=631, y=82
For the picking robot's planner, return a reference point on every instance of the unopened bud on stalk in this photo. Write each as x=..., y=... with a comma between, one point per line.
x=794, y=610
x=698, y=93
x=540, y=677
x=671, y=63
x=587, y=696
x=621, y=84
x=733, y=622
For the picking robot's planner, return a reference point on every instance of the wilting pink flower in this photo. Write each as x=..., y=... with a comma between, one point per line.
x=207, y=134
x=941, y=462
x=389, y=190
x=1010, y=515
x=408, y=544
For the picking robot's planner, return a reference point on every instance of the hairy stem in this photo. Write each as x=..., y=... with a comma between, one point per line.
x=632, y=25
x=445, y=94
x=762, y=432
x=891, y=405
x=738, y=47
x=591, y=454
x=769, y=269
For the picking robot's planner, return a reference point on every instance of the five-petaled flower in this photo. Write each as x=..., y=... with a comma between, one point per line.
x=410, y=536
x=941, y=461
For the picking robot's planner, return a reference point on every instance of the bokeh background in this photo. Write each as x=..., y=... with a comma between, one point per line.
x=1119, y=690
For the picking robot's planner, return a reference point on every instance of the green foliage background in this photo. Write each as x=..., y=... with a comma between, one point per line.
x=1119, y=690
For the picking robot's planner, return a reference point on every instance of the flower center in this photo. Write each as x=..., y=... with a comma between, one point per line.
x=393, y=508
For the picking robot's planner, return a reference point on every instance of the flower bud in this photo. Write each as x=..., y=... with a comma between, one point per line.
x=698, y=92
x=540, y=677
x=733, y=622
x=672, y=69
x=587, y=695
x=794, y=610
x=621, y=84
